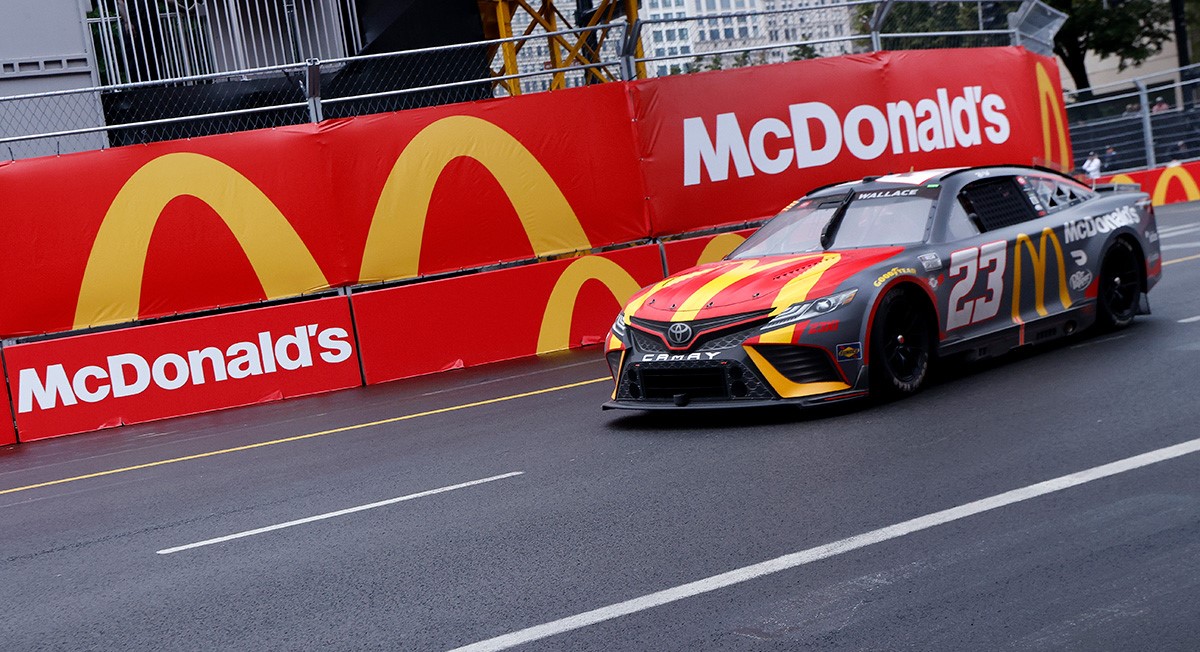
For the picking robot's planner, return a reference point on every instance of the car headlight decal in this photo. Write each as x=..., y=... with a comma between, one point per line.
x=619, y=328
x=808, y=309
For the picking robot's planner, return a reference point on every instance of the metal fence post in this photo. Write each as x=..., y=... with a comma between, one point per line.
x=312, y=89
x=1147, y=129
x=878, y=17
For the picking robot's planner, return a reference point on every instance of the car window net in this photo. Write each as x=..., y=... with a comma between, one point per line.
x=998, y=203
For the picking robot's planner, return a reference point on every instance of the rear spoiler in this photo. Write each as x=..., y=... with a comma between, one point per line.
x=1117, y=187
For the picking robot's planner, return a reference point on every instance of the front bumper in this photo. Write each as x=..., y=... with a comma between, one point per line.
x=738, y=376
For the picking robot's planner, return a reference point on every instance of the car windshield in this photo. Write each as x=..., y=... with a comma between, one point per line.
x=871, y=220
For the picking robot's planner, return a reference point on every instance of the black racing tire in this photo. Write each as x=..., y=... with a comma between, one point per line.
x=1120, y=286
x=902, y=344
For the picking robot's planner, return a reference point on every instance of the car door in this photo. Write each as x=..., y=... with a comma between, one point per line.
x=1015, y=270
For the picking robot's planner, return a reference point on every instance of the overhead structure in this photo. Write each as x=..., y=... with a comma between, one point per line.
x=573, y=42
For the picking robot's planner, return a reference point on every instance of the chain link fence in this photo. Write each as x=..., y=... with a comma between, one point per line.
x=1148, y=121
x=221, y=102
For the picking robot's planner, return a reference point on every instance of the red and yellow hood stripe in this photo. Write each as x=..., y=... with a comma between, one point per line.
x=737, y=286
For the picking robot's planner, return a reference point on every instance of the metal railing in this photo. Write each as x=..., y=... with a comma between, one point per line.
x=148, y=41
x=1146, y=121
x=223, y=101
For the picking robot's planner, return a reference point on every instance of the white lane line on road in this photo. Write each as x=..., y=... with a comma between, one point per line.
x=1172, y=231
x=340, y=512
x=818, y=553
x=1190, y=320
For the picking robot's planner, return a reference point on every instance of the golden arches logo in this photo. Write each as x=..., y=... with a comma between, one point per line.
x=1039, y=257
x=1052, y=111
x=1177, y=173
x=393, y=248
x=112, y=280
x=555, y=332
x=719, y=247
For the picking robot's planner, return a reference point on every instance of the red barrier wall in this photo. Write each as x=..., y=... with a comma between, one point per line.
x=182, y=226
x=1167, y=185
x=738, y=145
x=689, y=252
x=491, y=316
x=133, y=233
x=133, y=375
x=176, y=227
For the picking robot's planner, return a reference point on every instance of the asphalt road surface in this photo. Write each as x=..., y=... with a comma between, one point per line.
x=1049, y=500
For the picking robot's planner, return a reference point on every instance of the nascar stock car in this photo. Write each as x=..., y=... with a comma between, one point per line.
x=857, y=287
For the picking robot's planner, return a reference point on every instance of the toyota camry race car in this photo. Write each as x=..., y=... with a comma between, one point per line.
x=856, y=287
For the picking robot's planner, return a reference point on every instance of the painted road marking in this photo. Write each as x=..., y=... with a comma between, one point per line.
x=1172, y=231
x=1180, y=260
x=1190, y=320
x=340, y=512
x=828, y=550
x=311, y=435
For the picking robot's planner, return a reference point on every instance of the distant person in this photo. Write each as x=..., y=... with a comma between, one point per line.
x=1160, y=105
x=1130, y=110
x=1092, y=166
x=1179, y=151
x=1110, y=158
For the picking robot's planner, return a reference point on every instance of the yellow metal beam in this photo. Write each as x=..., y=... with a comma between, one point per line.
x=565, y=51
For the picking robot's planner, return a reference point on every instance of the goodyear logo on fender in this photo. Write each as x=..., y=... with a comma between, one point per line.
x=893, y=273
x=1038, y=257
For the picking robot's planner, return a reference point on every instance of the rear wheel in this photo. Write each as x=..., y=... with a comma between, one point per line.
x=901, y=344
x=1120, y=285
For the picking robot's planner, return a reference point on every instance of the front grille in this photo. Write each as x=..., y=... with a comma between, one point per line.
x=699, y=380
x=715, y=339
x=800, y=364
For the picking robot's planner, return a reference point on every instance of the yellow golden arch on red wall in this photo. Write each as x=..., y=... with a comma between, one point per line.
x=1056, y=146
x=112, y=281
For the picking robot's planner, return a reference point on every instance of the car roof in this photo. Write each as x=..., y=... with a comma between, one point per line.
x=917, y=178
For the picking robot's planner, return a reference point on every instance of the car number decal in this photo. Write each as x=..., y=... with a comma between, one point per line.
x=965, y=265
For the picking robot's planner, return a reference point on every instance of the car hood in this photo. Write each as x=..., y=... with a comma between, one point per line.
x=731, y=287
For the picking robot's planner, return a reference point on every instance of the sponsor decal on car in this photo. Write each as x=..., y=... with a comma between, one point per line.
x=1087, y=227
x=1080, y=257
x=931, y=262
x=1039, y=257
x=1081, y=279
x=880, y=194
x=674, y=357
x=1151, y=236
x=849, y=351
x=823, y=326
x=933, y=123
x=893, y=273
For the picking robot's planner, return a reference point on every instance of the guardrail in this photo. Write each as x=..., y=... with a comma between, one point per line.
x=1145, y=122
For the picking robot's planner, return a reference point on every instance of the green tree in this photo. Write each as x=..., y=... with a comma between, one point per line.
x=802, y=52
x=741, y=60
x=1131, y=30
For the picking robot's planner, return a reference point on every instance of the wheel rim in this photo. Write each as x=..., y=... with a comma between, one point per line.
x=905, y=342
x=1120, y=286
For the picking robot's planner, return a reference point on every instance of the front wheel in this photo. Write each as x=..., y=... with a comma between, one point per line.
x=1120, y=286
x=901, y=345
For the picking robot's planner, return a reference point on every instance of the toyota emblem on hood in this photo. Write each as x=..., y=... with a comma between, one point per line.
x=679, y=334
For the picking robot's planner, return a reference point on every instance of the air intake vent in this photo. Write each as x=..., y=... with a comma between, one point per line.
x=801, y=364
